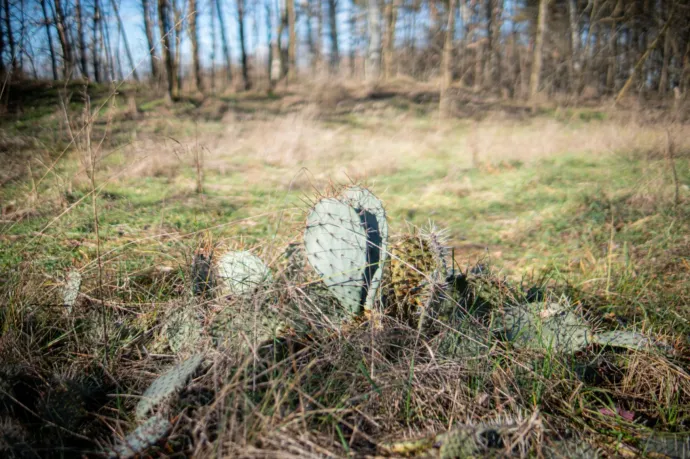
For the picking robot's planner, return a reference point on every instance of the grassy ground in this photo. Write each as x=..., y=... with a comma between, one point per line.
x=581, y=197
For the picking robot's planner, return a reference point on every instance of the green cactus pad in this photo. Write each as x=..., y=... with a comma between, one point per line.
x=336, y=246
x=547, y=326
x=373, y=216
x=240, y=273
x=623, y=339
x=140, y=439
x=167, y=385
x=70, y=291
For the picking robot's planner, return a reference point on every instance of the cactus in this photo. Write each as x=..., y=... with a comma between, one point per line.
x=181, y=330
x=336, y=245
x=167, y=385
x=242, y=272
x=140, y=439
x=418, y=273
x=373, y=217
x=70, y=291
x=556, y=326
x=623, y=339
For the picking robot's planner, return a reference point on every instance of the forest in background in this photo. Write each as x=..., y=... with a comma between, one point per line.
x=523, y=49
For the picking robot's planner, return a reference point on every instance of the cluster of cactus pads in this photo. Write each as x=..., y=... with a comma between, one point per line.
x=346, y=242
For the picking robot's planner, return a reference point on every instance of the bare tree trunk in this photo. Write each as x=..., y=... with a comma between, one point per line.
x=245, y=66
x=446, y=62
x=110, y=61
x=319, y=35
x=96, y=42
x=292, y=44
x=663, y=78
x=224, y=40
x=537, y=55
x=269, y=40
x=121, y=28
x=194, y=37
x=391, y=17
x=335, y=53
x=64, y=39
x=148, y=30
x=165, y=32
x=178, y=15
x=574, y=61
x=51, y=48
x=353, y=38
x=2, y=48
x=373, y=67
x=83, y=64
x=494, y=34
x=613, y=52
x=643, y=58
x=10, y=37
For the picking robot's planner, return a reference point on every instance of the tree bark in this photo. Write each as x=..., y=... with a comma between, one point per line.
x=83, y=63
x=165, y=32
x=645, y=55
x=663, y=78
x=10, y=37
x=353, y=38
x=148, y=30
x=446, y=62
x=194, y=37
x=574, y=61
x=224, y=40
x=292, y=44
x=391, y=16
x=178, y=11
x=64, y=40
x=535, y=76
x=333, y=26
x=96, y=47
x=130, y=59
x=373, y=67
x=243, y=49
x=51, y=48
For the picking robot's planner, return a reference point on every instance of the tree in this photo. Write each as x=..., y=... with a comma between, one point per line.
x=10, y=37
x=148, y=30
x=446, y=63
x=333, y=29
x=243, y=47
x=165, y=32
x=391, y=16
x=194, y=37
x=83, y=63
x=538, y=48
x=373, y=67
x=68, y=61
x=224, y=40
x=122, y=31
x=51, y=48
x=292, y=44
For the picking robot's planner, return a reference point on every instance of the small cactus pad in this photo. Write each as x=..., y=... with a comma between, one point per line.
x=167, y=385
x=242, y=272
x=373, y=217
x=547, y=326
x=140, y=439
x=336, y=245
x=70, y=291
x=623, y=339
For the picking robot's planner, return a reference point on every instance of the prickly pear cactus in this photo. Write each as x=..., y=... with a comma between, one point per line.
x=336, y=246
x=140, y=439
x=626, y=340
x=418, y=272
x=240, y=273
x=70, y=290
x=373, y=217
x=181, y=330
x=555, y=326
x=167, y=385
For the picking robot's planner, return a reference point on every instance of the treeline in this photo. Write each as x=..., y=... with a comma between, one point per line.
x=513, y=48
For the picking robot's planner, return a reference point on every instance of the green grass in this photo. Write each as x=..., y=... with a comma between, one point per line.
x=601, y=226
